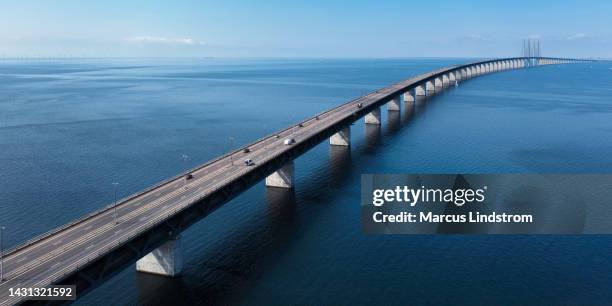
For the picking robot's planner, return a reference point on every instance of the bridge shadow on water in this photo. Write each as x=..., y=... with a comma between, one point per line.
x=226, y=270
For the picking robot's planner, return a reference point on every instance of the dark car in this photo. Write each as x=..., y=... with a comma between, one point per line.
x=246, y=150
x=359, y=105
x=189, y=176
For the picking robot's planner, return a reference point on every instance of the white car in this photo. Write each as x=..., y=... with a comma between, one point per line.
x=289, y=141
x=248, y=162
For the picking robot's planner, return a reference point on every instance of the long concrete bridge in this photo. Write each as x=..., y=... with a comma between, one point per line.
x=147, y=227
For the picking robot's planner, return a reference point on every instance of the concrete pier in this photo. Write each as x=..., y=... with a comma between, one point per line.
x=395, y=104
x=409, y=96
x=167, y=260
x=445, y=80
x=342, y=138
x=373, y=117
x=430, y=88
x=419, y=91
x=282, y=178
x=438, y=83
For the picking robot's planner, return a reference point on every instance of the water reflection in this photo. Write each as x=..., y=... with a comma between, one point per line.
x=393, y=122
x=339, y=164
x=373, y=137
x=408, y=112
x=420, y=103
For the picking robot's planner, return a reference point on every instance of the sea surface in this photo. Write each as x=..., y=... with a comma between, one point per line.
x=70, y=128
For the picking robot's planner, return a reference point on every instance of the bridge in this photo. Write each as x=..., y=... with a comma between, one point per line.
x=145, y=228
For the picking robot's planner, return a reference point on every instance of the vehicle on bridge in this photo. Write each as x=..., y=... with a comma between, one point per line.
x=289, y=141
x=248, y=162
x=188, y=176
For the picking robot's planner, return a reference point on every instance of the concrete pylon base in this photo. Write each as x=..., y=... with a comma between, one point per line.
x=167, y=260
x=373, y=117
x=419, y=91
x=408, y=97
x=394, y=104
x=281, y=178
x=342, y=138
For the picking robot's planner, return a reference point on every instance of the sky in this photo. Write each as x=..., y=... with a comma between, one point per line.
x=310, y=28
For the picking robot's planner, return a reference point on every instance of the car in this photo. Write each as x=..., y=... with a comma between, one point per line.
x=316, y=117
x=248, y=162
x=289, y=141
x=246, y=150
x=188, y=176
x=300, y=125
x=359, y=105
x=277, y=136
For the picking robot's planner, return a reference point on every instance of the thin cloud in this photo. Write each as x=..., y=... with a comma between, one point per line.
x=164, y=40
x=474, y=37
x=579, y=36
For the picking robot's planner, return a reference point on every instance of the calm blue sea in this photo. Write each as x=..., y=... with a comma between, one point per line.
x=69, y=128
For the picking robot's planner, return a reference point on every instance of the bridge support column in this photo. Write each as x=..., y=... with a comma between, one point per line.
x=419, y=91
x=395, y=104
x=373, y=117
x=342, y=138
x=438, y=83
x=458, y=75
x=445, y=80
x=167, y=260
x=282, y=178
x=409, y=96
x=430, y=88
x=452, y=79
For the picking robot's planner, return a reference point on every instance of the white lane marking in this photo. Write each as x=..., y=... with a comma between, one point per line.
x=58, y=242
x=142, y=218
x=22, y=259
x=89, y=247
x=87, y=228
x=55, y=265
